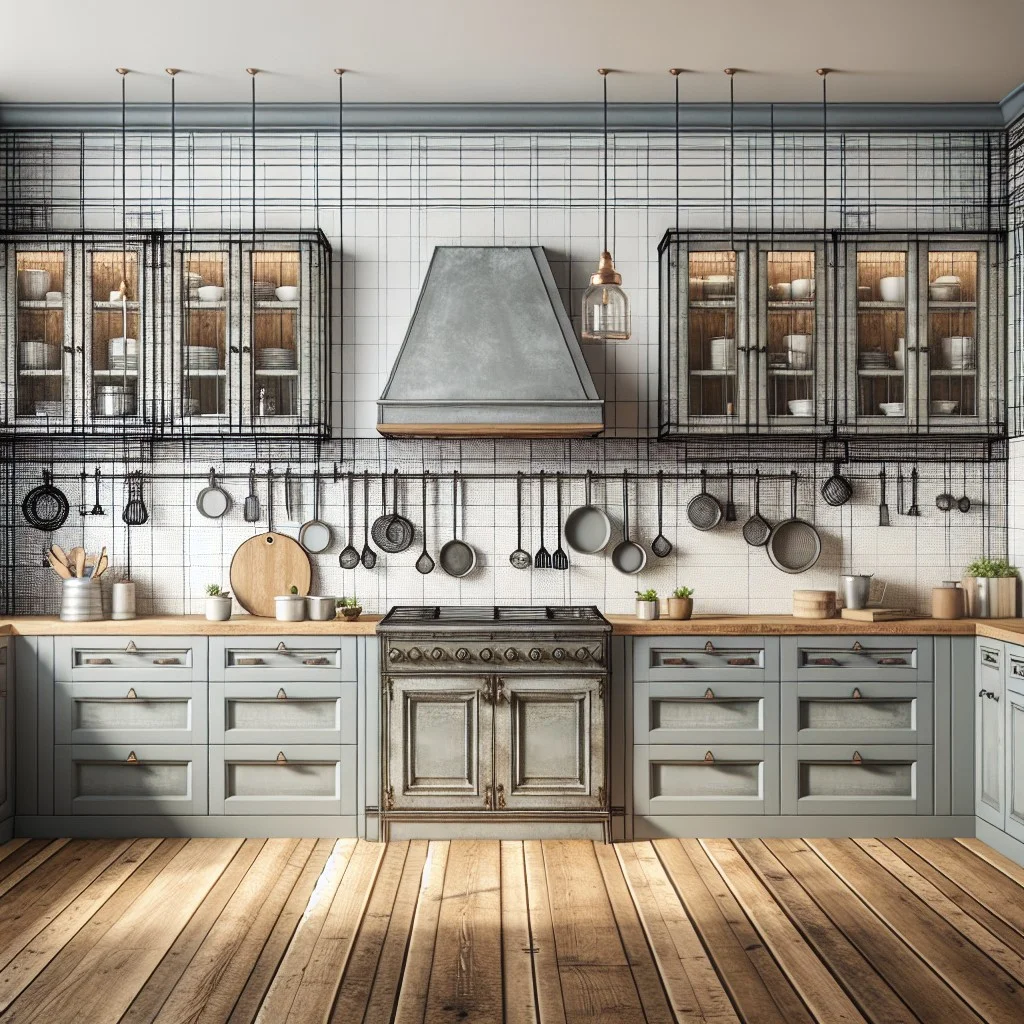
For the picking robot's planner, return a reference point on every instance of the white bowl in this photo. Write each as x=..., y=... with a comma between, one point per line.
x=893, y=289
x=944, y=408
x=947, y=279
x=119, y=345
x=210, y=293
x=33, y=284
x=944, y=292
x=803, y=288
x=287, y=293
x=893, y=408
x=798, y=342
x=801, y=407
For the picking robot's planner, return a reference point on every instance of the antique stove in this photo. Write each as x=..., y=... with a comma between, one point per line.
x=494, y=722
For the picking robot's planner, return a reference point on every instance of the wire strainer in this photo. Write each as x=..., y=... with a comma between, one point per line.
x=703, y=510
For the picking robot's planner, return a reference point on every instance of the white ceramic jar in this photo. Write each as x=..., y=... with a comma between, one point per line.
x=122, y=600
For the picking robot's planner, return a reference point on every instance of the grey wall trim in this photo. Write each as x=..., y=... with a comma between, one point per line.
x=513, y=116
x=1012, y=104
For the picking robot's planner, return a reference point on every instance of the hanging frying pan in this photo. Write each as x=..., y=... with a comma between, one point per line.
x=315, y=535
x=457, y=558
x=627, y=556
x=267, y=565
x=213, y=501
x=794, y=544
x=46, y=507
x=588, y=529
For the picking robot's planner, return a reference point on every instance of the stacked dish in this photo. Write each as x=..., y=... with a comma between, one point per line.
x=798, y=350
x=872, y=360
x=945, y=289
x=723, y=354
x=893, y=289
x=38, y=355
x=263, y=291
x=719, y=286
x=52, y=409
x=940, y=408
x=210, y=293
x=193, y=282
x=124, y=356
x=959, y=353
x=276, y=359
x=201, y=357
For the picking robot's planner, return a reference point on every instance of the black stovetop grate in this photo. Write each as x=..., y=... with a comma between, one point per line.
x=445, y=615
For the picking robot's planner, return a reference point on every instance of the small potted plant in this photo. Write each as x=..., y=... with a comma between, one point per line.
x=646, y=604
x=218, y=603
x=290, y=607
x=680, y=604
x=991, y=587
x=349, y=608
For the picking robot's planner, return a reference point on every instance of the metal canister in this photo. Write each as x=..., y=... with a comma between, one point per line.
x=114, y=400
x=81, y=600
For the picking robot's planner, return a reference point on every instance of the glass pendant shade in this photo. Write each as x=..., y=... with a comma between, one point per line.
x=605, y=305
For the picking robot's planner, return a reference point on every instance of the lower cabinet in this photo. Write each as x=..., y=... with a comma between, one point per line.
x=285, y=712
x=688, y=779
x=705, y=712
x=1014, y=739
x=114, y=779
x=869, y=779
x=870, y=712
x=289, y=779
x=989, y=732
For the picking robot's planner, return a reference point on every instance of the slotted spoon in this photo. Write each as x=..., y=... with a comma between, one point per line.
x=424, y=564
x=520, y=558
x=542, y=560
x=757, y=529
x=349, y=557
x=661, y=546
x=368, y=556
x=559, y=560
x=251, y=508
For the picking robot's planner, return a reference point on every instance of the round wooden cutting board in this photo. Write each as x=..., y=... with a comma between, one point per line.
x=267, y=566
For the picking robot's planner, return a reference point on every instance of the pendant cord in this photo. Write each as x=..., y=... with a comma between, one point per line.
x=732, y=158
x=124, y=177
x=604, y=78
x=676, y=75
x=171, y=72
x=771, y=172
x=253, y=73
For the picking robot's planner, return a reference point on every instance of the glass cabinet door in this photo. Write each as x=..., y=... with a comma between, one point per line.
x=276, y=330
x=792, y=333
x=882, y=311
x=116, y=356
x=42, y=355
x=205, y=375
x=952, y=392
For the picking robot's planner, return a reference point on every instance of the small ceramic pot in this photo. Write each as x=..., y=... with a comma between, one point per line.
x=647, y=609
x=290, y=608
x=122, y=600
x=350, y=614
x=218, y=609
x=679, y=608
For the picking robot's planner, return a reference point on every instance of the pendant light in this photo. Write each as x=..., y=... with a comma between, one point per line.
x=605, y=304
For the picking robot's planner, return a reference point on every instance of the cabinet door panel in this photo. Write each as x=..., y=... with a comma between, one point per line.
x=6, y=738
x=705, y=659
x=691, y=712
x=1015, y=763
x=989, y=726
x=440, y=743
x=549, y=743
x=129, y=658
x=286, y=713
x=856, y=659
x=862, y=713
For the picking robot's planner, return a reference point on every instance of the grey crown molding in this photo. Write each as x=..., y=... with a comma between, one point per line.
x=515, y=117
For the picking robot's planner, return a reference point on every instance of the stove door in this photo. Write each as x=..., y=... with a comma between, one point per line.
x=439, y=743
x=549, y=743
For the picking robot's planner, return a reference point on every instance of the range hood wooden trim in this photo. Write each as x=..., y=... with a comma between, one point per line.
x=538, y=430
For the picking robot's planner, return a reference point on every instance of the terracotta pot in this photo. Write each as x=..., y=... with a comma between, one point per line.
x=679, y=608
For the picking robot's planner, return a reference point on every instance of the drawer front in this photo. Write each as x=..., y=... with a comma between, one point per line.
x=139, y=713
x=129, y=658
x=118, y=779
x=705, y=712
x=856, y=659
x=869, y=779
x=282, y=660
x=857, y=713
x=275, y=779
x=283, y=713
x=706, y=658
x=696, y=779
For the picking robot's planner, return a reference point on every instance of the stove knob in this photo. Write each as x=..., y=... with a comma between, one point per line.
x=511, y=654
x=462, y=654
x=582, y=654
x=395, y=654
x=558, y=654
x=486, y=654
x=535, y=654
x=414, y=654
x=437, y=654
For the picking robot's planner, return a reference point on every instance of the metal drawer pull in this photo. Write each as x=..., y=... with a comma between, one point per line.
x=281, y=649
x=281, y=695
x=486, y=696
x=280, y=759
x=131, y=648
x=709, y=648
x=709, y=758
x=250, y=661
x=167, y=661
x=709, y=694
x=989, y=657
x=97, y=661
x=499, y=695
x=316, y=661
x=487, y=800
x=857, y=646
x=131, y=694
x=989, y=694
x=857, y=759
x=131, y=758
x=856, y=695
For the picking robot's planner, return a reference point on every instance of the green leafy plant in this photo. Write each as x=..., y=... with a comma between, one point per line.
x=992, y=568
x=347, y=602
x=213, y=590
x=683, y=592
x=647, y=595
x=293, y=590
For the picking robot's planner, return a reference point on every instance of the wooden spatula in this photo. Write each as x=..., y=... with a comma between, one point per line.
x=76, y=556
x=101, y=565
x=61, y=555
x=58, y=566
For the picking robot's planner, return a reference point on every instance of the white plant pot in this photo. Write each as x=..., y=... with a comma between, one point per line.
x=218, y=609
x=290, y=608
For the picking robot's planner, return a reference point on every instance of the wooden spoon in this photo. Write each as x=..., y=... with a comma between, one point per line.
x=76, y=556
x=58, y=566
x=101, y=564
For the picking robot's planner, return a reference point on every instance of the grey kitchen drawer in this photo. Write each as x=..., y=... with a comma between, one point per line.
x=130, y=713
x=706, y=658
x=288, y=778
x=867, y=779
x=700, y=712
x=119, y=779
x=856, y=658
x=282, y=659
x=702, y=779
x=130, y=658
x=286, y=712
x=866, y=712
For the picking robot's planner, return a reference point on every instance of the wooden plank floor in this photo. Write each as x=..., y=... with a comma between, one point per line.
x=779, y=931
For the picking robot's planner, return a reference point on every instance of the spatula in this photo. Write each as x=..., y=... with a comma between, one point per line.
x=883, y=509
x=542, y=560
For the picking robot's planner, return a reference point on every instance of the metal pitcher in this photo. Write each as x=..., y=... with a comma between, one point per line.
x=857, y=591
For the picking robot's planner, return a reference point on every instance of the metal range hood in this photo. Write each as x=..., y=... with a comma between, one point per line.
x=489, y=352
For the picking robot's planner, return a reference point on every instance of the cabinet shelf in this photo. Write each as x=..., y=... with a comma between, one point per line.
x=115, y=373
x=206, y=307
x=785, y=305
x=276, y=373
x=881, y=307
x=712, y=373
x=133, y=306
x=707, y=304
x=880, y=373
x=205, y=373
x=786, y=372
x=41, y=305
x=953, y=373
x=267, y=306
x=40, y=373
x=951, y=305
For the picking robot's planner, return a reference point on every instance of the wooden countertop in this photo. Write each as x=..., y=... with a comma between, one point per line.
x=1011, y=630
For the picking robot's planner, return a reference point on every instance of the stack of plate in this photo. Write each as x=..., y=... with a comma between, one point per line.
x=201, y=357
x=263, y=291
x=276, y=359
x=52, y=409
x=723, y=354
x=959, y=353
x=124, y=356
x=38, y=355
x=193, y=282
x=874, y=361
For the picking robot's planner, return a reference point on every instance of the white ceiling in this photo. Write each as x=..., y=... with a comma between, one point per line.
x=524, y=51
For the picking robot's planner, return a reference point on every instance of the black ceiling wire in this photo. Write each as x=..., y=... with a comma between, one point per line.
x=603, y=72
x=731, y=72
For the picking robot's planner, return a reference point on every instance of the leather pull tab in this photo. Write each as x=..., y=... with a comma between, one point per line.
x=857, y=759
x=709, y=758
x=709, y=694
x=281, y=695
x=131, y=648
x=857, y=646
x=281, y=759
x=709, y=648
x=856, y=693
x=131, y=694
x=131, y=758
